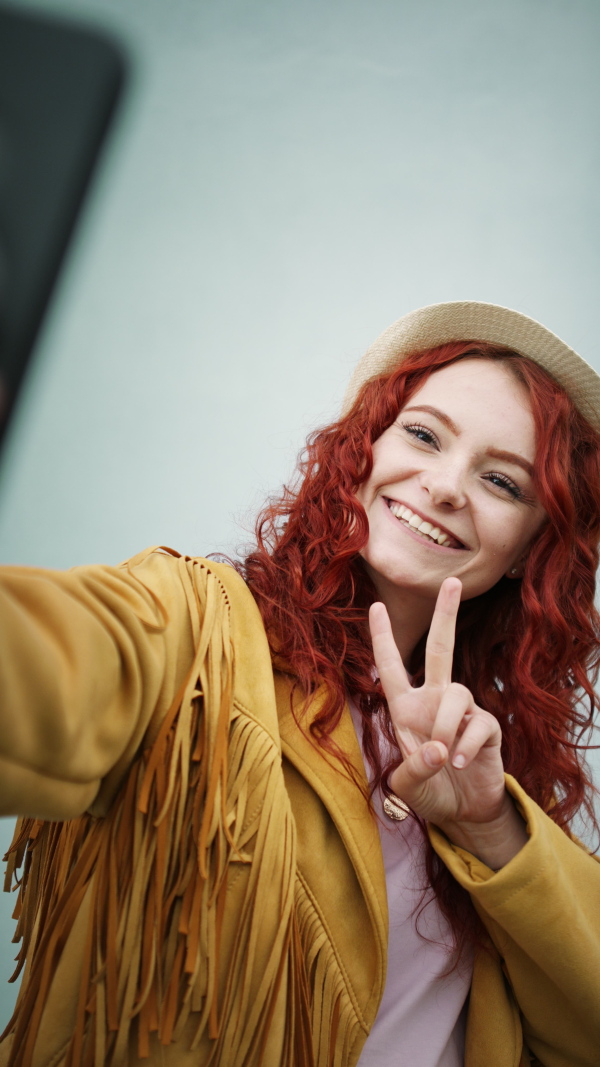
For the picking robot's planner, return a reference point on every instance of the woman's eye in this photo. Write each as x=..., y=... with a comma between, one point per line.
x=505, y=483
x=421, y=433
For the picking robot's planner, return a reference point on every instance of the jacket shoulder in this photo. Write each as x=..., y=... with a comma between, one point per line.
x=167, y=574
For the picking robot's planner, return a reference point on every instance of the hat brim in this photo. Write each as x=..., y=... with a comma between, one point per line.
x=469, y=320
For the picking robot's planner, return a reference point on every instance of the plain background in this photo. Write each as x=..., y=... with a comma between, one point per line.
x=285, y=180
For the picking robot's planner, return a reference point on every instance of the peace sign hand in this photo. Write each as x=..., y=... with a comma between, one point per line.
x=452, y=772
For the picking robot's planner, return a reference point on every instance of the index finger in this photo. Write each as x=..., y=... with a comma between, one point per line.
x=439, y=650
x=388, y=660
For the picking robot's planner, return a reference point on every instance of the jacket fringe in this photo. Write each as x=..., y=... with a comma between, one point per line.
x=203, y=812
x=182, y=829
x=335, y=1026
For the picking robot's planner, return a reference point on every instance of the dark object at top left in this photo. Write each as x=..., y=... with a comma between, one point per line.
x=59, y=85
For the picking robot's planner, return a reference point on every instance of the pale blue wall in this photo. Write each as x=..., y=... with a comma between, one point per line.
x=287, y=179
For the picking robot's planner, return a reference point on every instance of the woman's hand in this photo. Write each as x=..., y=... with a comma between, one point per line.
x=452, y=772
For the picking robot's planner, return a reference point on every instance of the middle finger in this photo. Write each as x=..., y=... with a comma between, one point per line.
x=439, y=650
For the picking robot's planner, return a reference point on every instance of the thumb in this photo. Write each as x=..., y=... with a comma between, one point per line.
x=417, y=769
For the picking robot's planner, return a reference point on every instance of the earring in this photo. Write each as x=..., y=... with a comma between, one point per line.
x=513, y=570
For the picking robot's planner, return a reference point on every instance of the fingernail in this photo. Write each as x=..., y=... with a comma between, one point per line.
x=433, y=756
x=458, y=762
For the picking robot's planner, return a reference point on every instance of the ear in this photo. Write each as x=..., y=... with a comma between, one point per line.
x=517, y=569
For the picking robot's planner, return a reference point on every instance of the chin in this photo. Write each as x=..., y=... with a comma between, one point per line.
x=401, y=578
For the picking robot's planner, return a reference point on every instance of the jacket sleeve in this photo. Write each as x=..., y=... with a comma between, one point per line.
x=89, y=658
x=542, y=911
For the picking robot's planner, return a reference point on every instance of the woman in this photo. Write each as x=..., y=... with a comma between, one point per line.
x=223, y=791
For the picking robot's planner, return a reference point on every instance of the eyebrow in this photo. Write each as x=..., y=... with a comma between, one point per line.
x=441, y=415
x=495, y=453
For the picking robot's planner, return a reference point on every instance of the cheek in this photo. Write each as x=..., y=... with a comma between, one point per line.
x=392, y=461
x=505, y=536
x=367, y=491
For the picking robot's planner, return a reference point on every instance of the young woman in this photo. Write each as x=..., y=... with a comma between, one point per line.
x=254, y=834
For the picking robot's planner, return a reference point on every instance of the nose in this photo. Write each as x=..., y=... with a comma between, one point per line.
x=445, y=486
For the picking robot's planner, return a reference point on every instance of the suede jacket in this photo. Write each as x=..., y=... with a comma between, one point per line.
x=199, y=883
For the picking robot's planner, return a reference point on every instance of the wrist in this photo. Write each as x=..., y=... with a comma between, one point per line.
x=495, y=842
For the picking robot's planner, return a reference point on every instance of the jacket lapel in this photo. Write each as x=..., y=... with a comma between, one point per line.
x=342, y=804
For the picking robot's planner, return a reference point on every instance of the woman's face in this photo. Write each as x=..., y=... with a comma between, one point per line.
x=458, y=459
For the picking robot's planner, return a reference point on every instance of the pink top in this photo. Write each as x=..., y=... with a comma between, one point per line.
x=421, y=1019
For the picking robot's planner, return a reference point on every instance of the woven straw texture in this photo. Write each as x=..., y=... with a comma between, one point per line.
x=472, y=321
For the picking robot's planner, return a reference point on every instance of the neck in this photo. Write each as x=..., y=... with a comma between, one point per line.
x=410, y=615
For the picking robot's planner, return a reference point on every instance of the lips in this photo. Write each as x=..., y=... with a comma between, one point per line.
x=427, y=529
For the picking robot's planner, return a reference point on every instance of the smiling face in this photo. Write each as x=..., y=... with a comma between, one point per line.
x=451, y=489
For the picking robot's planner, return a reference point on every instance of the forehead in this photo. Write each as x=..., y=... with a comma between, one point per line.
x=482, y=397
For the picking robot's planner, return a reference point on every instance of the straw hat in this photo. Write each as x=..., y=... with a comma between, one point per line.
x=468, y=320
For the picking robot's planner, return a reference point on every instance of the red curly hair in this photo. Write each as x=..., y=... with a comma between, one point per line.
x=528, y=650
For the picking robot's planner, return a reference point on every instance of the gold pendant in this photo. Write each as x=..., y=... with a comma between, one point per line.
x=395, y=808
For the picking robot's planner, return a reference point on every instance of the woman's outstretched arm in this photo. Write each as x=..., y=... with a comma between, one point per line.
x=87, y=658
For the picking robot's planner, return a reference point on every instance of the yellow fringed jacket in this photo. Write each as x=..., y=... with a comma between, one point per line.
x=199, y=884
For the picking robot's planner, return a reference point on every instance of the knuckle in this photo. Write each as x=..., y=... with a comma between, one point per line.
x=438, y=648
x=495, y=728
x=490, y=720
x=461, y=691
x=483, y=728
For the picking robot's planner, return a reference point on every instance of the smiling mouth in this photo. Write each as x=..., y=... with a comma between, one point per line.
x=422, y=526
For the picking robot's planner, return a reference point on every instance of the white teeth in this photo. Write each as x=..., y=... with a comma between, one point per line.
x=415, y=521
